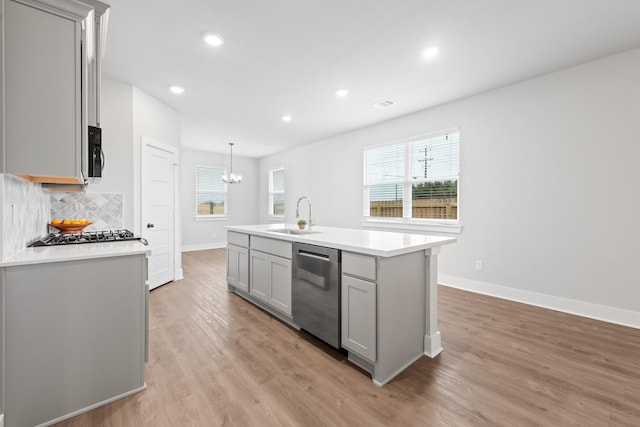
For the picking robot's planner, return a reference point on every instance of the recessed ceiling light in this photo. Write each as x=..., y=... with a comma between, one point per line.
x=342, y=92
x=430, y=52
x=286, y=119
x=213, y=39
x=267, y=145
x=178, y=90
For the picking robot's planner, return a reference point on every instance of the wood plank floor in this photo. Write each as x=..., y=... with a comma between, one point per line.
x=217, y=360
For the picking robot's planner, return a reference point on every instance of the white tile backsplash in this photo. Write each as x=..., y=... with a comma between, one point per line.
x=27, y=209
x=25, y=213
x=105, y=210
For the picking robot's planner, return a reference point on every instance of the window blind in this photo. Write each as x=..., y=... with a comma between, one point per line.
x=210, y=191
x=276, y=192
x=209, y=179
x=277, y=180
x=436, y=158
x=386, y=164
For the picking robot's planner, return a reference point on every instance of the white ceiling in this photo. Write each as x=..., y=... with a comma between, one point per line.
x=290, y=56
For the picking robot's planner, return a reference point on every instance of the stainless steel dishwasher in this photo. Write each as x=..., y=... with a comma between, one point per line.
x=316, y=291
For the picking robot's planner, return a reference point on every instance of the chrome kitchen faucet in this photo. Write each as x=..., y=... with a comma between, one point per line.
x=310, y=222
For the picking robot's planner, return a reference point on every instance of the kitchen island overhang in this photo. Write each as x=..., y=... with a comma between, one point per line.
x=402, y=288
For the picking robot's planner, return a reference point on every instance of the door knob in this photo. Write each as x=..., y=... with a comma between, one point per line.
x=149, y=225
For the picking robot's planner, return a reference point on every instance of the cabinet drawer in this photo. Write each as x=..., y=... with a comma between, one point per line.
x=271, y=246
x=238, y=239
x=359, y=265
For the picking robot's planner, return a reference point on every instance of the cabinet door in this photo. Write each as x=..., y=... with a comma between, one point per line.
x=260, y=272
x=359, y=317
x=43, y=72
x=243, y=269
x=281, y=284
x=232, y=265
x=238, y=267
x=271, y=280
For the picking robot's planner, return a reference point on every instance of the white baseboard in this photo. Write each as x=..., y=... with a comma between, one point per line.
x=580, y=308
x=204, y=246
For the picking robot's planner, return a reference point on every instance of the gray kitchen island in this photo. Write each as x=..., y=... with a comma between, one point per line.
x=388, y=294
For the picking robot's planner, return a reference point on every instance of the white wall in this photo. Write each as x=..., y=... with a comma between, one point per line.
x=116, y=121
x=153, y=119
x=241, y=199
x=128, y=114
x=548, y=187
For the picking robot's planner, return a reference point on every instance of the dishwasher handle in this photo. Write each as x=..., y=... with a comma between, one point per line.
x=314, y=252
x=320, y=257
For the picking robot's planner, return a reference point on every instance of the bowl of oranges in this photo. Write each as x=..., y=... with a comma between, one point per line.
x=69, y=225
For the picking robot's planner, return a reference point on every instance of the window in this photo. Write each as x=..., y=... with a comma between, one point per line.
x=276, y=192
x=211, y=192
x=415, y=180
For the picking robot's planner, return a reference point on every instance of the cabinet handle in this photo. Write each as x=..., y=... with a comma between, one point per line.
x=149, y=225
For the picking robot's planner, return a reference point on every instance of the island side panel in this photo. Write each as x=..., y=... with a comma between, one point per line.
x=432, y=340
x=401, y=313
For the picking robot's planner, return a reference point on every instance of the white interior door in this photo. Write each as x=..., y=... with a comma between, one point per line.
x=158, y=180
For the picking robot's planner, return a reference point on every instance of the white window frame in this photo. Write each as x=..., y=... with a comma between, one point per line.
x=407, y=222
x=271, y=191
x=211, y=217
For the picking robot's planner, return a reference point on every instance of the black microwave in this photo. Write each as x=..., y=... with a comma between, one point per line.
x=95, y=155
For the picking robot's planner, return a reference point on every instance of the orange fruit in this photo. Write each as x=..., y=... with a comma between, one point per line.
x=55, y=221
x=66, y=221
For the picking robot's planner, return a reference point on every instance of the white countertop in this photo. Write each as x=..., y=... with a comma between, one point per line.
x=370, y=242
x=44, y=254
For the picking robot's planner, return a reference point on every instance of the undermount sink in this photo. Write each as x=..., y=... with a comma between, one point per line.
x=293, y=231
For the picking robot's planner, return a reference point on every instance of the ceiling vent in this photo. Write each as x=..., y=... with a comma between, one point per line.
x=381, y=105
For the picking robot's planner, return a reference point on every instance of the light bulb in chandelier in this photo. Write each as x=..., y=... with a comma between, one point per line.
x=232, y=178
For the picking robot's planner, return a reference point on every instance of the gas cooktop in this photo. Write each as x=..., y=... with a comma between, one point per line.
x=55, y=239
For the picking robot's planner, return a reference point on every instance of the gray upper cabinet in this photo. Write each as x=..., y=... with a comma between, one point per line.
x=101, y=14
x=45, y=65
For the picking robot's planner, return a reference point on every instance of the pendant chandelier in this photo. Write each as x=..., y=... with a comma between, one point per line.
x=232, y=178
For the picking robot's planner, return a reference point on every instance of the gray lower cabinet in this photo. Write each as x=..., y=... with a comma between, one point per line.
x=359, y=317
x=238, y=267
x=74, y=336
x=238, y=260
x=359, y=301
x=271, y=280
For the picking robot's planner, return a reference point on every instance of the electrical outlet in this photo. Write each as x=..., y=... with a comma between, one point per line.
x=479, y=265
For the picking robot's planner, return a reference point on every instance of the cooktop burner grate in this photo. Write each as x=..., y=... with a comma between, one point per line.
x=54, y=239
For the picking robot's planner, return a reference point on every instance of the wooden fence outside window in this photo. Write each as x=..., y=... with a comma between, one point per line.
x=422, y=208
